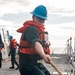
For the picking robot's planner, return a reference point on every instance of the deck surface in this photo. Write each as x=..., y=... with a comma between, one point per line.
x=58, y=59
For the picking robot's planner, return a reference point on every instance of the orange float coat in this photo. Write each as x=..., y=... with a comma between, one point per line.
x=25, y=46
x=12, y=43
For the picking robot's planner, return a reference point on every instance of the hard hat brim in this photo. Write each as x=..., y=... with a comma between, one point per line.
x=45, y=18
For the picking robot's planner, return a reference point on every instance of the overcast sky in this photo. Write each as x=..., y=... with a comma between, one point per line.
x=60, y=23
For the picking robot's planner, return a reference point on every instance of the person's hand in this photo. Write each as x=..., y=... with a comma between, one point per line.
x=47, y=44
x=47, y=58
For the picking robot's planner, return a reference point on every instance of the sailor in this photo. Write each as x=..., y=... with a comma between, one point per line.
x=33, y=46
x=12, y=52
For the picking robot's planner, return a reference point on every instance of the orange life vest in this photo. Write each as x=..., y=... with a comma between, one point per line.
x=26, y=49
x=12, y=43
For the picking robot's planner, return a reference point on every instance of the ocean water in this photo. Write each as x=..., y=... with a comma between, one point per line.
x=58, y=50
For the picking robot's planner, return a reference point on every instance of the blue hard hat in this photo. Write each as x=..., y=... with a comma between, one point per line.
x=10, y=37
x=40, y=11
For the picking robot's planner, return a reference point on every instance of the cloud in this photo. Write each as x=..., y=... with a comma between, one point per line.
x=58, y=19
x=22, y=2
x=69, y=28
x=59, y=10
x=23, y=16
x=14, y=6
x=16, y=18
x=5, y=24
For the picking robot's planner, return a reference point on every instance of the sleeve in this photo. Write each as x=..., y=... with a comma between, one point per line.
x=31, y=35
x=2, y=45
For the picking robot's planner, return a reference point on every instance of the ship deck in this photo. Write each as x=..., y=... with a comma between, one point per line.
x=60, y=60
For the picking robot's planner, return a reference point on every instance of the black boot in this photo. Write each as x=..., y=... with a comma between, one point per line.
x=17, y=68
x=12, y=67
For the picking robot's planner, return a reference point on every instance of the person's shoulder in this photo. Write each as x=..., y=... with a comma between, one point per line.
x=31, y=27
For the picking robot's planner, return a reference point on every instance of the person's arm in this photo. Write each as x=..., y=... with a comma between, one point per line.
x=2, y=46
x=39, y=49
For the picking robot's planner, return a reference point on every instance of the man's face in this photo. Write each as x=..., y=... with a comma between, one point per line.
x=39, y=20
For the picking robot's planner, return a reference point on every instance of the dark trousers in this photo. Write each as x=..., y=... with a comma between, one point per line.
x=0, y=63
x=0, y=59
x=38, y=69
x=13, y=60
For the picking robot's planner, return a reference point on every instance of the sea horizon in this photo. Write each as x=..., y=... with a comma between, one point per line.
x=58, y=50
